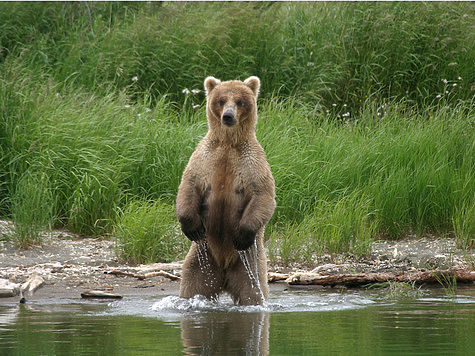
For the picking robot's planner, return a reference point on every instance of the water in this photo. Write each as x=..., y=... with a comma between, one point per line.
x=293, y=322
x=249, y=258
x=202, y=249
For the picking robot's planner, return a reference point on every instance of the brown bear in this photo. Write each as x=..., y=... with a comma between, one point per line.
x=225, y=199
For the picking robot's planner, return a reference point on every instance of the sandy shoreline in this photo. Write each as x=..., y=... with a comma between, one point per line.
x=71, y=265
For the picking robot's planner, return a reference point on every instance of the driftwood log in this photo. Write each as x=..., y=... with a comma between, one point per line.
x=99, y=294
x=142, y=276
x=358, y=279
x=275, y=277
x=160, y=266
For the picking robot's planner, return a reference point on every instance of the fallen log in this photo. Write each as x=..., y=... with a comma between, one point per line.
x=358, y=279
x=274, y=277
x=160, y=266
x=142, y=276
x=99, y=294
x=30, y=286
x=159, y=273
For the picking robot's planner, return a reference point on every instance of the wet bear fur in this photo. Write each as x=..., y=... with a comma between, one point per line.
x=226, y=197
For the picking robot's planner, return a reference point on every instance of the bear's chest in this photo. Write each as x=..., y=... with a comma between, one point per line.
x=226, y=191
x=226, y=174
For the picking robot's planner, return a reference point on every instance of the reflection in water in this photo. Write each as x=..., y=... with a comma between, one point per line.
x=226, y=334
x=8, y=315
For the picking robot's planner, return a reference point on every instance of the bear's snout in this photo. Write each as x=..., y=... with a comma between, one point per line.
x=229, y=118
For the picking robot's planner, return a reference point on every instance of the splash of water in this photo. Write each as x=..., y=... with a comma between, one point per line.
x=203, y=261
x=249, y=258
x=175, y=303
x=205, y=266
x=199, y=304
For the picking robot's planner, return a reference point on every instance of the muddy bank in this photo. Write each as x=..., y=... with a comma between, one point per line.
x=71, y=265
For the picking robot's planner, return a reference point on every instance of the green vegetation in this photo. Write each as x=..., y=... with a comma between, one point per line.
x=398, y=290
x=341, y=185
x=449, y=284
x=149, y=232
x=366, y=117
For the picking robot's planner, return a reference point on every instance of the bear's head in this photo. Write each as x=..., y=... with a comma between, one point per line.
x=232, y=106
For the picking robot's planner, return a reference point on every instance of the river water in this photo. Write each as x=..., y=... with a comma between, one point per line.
x=293, y=322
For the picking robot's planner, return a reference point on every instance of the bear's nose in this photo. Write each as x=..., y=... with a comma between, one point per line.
x=228, y=118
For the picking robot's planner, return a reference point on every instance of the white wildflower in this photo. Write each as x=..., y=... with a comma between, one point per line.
x=134, y=79
x=196, y=91
x=346, y=114
x=186, y=91
x=147, y=110
x=58, y=95
x=196, y=106
x=333, y=105
x=445, y=81
x=459, y=78
x=126, y=106
x=438, y=96
x=454, y=85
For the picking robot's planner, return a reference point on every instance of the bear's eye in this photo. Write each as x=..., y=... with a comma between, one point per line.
x=239, y=103
x=221, y=102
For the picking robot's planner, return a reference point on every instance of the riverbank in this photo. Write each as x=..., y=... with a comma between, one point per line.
x=71, y=265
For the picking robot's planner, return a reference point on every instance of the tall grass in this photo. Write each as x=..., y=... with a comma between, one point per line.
x=32, y=209
x=148, y=232
x=94, y=150
x=339, y=184
x=379, y=143
x=333, y=53
x=342, y=184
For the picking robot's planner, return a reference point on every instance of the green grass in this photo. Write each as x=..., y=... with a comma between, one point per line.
x=32, y=209
x=366, y=133
x=148, y=232
x=331, y=53
x=340, y=185
x=448, y=283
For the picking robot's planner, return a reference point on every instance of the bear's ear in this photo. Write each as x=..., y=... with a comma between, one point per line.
x=254, y=84
x=210, y=84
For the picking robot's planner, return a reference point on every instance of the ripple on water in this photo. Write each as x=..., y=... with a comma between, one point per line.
x=173, y=308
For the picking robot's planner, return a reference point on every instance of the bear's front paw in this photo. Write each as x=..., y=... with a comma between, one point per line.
x=244, y=239
x=194, y=232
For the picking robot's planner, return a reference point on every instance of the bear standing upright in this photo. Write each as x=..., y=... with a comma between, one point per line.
x=225, y=199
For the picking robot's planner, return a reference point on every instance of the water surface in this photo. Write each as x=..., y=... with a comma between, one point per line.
x=294, y=322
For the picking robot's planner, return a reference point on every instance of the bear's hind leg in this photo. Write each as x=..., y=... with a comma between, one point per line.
x=200, y=275
x=248, y=285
